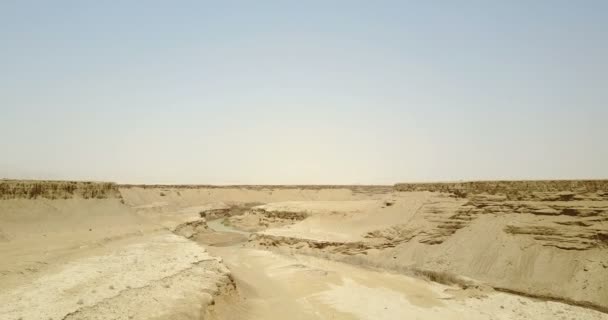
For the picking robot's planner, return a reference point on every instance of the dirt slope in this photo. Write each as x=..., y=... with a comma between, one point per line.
x=551, y=242
x=91, y=257
x=272, y=286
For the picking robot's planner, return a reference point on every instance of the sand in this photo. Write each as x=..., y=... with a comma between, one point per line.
x=275, y=286
x=490, y=250
x=95, y=258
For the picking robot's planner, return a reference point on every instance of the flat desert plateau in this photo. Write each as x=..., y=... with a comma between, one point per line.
x=466, y=250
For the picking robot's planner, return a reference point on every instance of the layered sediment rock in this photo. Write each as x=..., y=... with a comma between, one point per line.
x=518, y=190
x=23, y=189
x=547, y=239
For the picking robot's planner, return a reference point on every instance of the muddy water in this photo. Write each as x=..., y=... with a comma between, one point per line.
x=218, y=226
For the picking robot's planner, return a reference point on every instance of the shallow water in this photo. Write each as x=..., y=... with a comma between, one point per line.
x=217, y=225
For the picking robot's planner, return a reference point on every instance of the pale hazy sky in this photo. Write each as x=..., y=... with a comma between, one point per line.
x=303, y=91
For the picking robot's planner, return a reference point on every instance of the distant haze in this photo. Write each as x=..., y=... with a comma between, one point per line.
x=303, y=92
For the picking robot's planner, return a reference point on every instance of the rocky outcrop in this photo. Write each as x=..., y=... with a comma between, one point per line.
x=577, y=223
x=564, y=219
x=24, y=189
x=260, y=218
x=364, y=189
x=191, y=229
x=222, y=210
x=279, y=214
x=569, y=237
x=394, y=235
x=544, y=190
x=347, y=248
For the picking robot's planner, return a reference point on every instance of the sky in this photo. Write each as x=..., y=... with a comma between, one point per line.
x=303, y=92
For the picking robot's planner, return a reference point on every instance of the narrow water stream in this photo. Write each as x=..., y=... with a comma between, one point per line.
x=218, y=226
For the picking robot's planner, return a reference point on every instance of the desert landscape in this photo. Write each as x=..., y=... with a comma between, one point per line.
x=465, y=250
x=305, y=160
